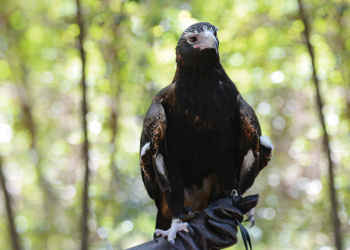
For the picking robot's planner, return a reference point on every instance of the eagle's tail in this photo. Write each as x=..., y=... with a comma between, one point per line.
x=163, y=222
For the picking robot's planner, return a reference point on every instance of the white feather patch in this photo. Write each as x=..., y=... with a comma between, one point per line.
x=266, y=141
x=145, y=148
x=160, y=164
x=248, y=160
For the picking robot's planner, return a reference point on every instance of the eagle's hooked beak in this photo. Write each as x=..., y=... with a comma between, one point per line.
x=208, y=40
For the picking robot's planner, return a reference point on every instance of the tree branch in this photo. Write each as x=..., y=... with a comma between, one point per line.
x=336, y=223
x=13, y=232
x=85, y=229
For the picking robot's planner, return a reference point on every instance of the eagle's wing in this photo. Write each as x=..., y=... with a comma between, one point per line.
x=153, y=147
x=257, y=149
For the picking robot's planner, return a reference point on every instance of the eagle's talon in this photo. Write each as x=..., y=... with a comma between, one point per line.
x=250, y=217
x=155, y=236
x=253, y=222
x=191, y=232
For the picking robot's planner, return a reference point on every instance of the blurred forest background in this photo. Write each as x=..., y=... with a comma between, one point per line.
x=130, y=56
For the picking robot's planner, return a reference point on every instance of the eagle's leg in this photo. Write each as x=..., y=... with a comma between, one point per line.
x=175, y=201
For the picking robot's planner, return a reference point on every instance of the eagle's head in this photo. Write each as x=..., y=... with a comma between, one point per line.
x=198, y=42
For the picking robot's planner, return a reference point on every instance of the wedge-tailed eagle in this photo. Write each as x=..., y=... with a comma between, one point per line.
x=200, y=138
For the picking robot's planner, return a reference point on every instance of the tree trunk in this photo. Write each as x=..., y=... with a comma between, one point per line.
x=85, y=153
x=14, y=236
x=334, y=202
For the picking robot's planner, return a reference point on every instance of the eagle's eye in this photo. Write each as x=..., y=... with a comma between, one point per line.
x=193, y=39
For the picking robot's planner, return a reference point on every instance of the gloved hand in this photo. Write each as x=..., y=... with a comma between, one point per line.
x=216, y=226
x=213, y=228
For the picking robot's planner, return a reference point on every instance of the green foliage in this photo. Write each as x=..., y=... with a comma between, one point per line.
x=130, y=48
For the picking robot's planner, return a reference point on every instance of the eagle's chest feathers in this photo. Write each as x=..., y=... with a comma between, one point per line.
x=200, y=124
x=207, y=108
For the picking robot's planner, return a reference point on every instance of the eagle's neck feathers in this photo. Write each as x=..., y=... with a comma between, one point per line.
x=203, y=94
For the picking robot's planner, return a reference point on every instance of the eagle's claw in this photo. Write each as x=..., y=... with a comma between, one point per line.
x=250, y=216
x=155, y=236
x=190, y=231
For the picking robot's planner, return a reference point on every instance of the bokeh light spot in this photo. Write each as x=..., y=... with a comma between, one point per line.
x=95, y=127
x=127, y=226
x=5, y=133
x=277, y=76
x=315, y=187
x=274, y=180
x=269, y=213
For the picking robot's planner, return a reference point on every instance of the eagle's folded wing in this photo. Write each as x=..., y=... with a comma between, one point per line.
x=257, y=149
x=153, y=146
